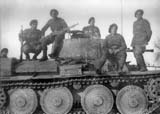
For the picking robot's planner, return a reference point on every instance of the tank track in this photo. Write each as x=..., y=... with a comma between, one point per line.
x=78, y=84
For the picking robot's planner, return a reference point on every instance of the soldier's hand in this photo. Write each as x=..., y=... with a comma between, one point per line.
x=68, y=30
x=110, y=51
x=20, y=39
x=116, y=51
x=42, y=38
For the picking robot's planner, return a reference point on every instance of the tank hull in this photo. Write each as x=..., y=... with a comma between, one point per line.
x=71, y=85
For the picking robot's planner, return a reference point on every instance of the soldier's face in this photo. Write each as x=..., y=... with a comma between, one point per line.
x=92, y=22
x=114, y=30
x=139, y=15
x=4, y=54
x=54, y=14
x=34, y=25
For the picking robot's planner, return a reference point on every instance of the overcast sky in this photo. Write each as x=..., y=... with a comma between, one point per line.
x=14, y=13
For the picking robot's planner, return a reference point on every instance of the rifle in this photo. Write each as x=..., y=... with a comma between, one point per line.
x=21, y=51
x=64, y=30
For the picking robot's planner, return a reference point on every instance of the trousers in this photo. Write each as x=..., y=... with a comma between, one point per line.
x=138, y=51
x=58, y=44
x=119, y=58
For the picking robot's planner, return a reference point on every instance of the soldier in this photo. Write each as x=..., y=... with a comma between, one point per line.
x=92, y=31
x=31, y=37
x=59, y=28
x=114, y=49
x=141, y=36
x=4, y=53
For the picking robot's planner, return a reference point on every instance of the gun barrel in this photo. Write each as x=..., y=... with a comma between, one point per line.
x=147, y=50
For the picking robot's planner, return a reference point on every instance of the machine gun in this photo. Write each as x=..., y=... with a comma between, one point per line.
x=64, y=30
x=57, y=33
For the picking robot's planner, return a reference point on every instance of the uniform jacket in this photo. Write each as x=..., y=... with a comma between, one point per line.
x=116, y=41
x=141, y=32
x=30, y=35
x=92, y=32
x=55, y=25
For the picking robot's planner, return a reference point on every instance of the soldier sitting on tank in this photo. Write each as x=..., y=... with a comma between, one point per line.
x=141, y=36
x=114, y=49
x=4, y=53
x=31, y=37
x=59, y=28
x=92, y=31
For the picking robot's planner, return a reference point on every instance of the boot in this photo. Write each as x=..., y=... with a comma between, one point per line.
x=27, y=57
x=143, y=69
x=44, y=57
x=98, y=71
x=34, y=57
x=119, y=70
x=142, y=65
x=52, y=56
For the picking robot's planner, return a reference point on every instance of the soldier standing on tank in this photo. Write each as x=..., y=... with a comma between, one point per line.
x=31, y=37
x=92, y=31
x=141, y=36
x=114, y=49
x=59, y=28
x=4, y=53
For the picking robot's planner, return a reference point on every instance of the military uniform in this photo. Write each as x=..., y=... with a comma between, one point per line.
x=113, y=42
x=32, y=42
x=56, y=25
x=92, y=32
x=142, y=34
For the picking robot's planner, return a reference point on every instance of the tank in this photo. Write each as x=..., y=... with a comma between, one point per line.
x=70, y=85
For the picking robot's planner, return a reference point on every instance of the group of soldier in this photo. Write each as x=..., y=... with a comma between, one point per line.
x=114, y=45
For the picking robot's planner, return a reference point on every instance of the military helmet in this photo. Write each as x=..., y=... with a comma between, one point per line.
x=4, y=50
x=112, y=25
x=54, y=10
x=90, y=19
x=139, y=10
x=33, y=21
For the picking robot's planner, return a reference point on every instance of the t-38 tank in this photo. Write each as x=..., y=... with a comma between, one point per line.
x=70, y=85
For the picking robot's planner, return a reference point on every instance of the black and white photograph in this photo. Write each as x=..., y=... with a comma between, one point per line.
x=79, y=57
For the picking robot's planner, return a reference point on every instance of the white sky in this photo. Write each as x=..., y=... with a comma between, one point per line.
x=14, y=13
